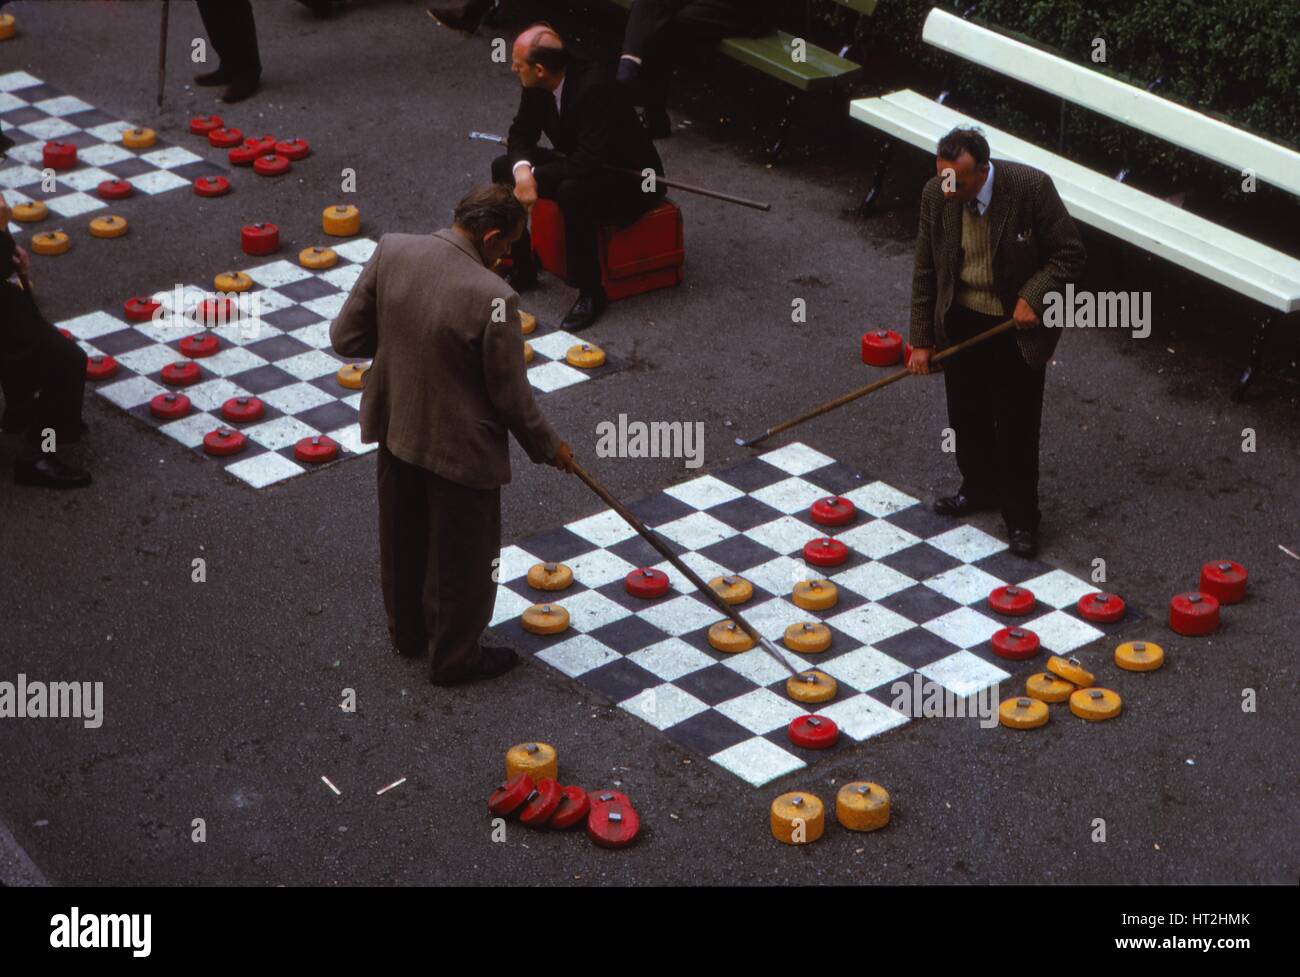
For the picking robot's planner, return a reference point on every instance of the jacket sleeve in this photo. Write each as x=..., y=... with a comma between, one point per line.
x=1066, y=256
x=356, y=330
x=508, y=389
x=526, y=129
x=924, y=279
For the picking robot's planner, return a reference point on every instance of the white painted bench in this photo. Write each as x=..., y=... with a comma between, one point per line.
x=1232, y=260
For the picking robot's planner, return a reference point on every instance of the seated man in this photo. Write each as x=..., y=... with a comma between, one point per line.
x=592, y=127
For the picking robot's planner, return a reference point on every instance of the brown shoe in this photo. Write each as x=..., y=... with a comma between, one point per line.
x=492, y=661
x=241, y=88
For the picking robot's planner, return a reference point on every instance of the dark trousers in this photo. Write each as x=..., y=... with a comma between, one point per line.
x=587, y=204
x=437, y=544
x=42, y=373
x=233, y=34
x=995, y=406
x=660, y=32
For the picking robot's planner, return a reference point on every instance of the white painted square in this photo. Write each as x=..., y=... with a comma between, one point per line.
x=264, y=469
x=268, y=300
x=797, y=459
x=19, y=175
x=555, y=375
x=963, y=673
x=670, y=659
x=358, y=250
x=590, y=610
x=1062, y=634
x=877, y=539
x=244, y=332
x=696, y=531
x=296, y=398
x=757, y=761
x=103, y=154
x=870, y=623
x=509, y=605
x=157, y=181
x=704, y=568
x=784, y=535
x=74, y=204
x=170, y=157
x=865, y=669
x=232, y=360
x=1058, y=589
x=578, y=655
x=48, y=129
x=966, y=543
x=327, y=306
x=874, y=581
x=603, y=529
x=679, y=615
x=279, y=433
x=309, y=365
x=965, y=584
x=92, y=325
x=861, y=717
x=879, y=499
x=963, y=627
x=85, y=178
x=789, y=495
x=772, y=617
x=110, y=132
x=131, y=392
x=663, y=706
x=757, y=665
x=515, y=563
x=211, y=394
x=761, y=710
x=10, y=102
x=777, y=576
x=189, y=430
x=149, y=359
x=353, y=401
x=317, y=335
x=350, y=438
x=342, y=277
x=30, y=153
x=704, y=492
x=275, y=273
x=599, y=567
x=553, y=345
x=14, y=80
x=63, y=105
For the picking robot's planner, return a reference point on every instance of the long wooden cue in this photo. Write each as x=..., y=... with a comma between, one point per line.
x=872, y=387
x=162, y=50
x=687, y=572
x=676, y=185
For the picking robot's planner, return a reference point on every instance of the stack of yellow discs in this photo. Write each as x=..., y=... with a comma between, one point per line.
x=50, y=242
x=862, y=806
x=1023, y=712
x=1139, y=656
x=341, y=220
x=29, y=211
x=108, y=226
x=798, y=818
x=725, y=636
x=1071, y=671
x=549, y=576
x=811, y=686
x=139, y=138
x=732, y=589
x=232, y=281
x=318, y=257
x=1095, y=705
x=1048, y=688
x=538, y=760
x=815, y=595
x=545, y=619
x=808, y=637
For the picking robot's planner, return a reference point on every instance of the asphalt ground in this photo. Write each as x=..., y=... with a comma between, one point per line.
x=222, y=699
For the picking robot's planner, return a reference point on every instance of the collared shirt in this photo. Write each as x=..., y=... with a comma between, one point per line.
x=985, y=196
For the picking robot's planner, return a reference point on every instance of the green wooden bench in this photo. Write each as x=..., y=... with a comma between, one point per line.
x=820, y=71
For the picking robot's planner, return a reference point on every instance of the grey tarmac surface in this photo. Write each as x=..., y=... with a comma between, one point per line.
x=222, y=698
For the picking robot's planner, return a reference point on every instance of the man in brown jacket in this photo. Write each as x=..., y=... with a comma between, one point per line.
x=994, y=240
x=447, y=383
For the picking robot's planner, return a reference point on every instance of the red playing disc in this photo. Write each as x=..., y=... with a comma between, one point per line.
x=183, y=373
x=825, y=552
x=316, y=449
x=65, y=334
x=1011, y=600
x=115, y=189
x=609, y=797
x=211, y=186
x=1100, y=607
x=1016, y=644
x=259, y=238
x=271, y=164
x=244, y=154
x=1224, y=580
x=832, y=511
x=216, y=311
x=294, y=149
x=223, y=441
x=882, y=347
x=814, y=732
x=240, y=410
x=263, y=144
x=169, y=406
x=59, y=155
x=140, y=308
x=197, y=347
x=646, y=582
x=100, y=367
x=573, y=807
x=907, y=353
x=509, y=797
x=613, y=825
x=1193, y=614
x=541, y=803
x=225, y=138
x=201, y=125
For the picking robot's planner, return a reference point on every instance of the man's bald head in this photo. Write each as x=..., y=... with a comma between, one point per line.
x=539, y=57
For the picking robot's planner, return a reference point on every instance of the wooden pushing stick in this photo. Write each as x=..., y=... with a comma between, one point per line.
x=162, y=50
x=872, y=387
x=649, y=536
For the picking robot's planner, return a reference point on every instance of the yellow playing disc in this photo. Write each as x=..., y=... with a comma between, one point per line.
x=538, y=760
x=862, y=806
x=7, y=27
x=528, y=352
x=815, y=595
x=352, y=375
x=811, y=686
x=549, y=576
x=1048, y=688
x=108, y=226
x=1095, y=705
x=732, y=589
x=545, y=619
x=232, y=281
x=527, y=322
x=29, y=211
x=1139, y=656
x=50, y=242
x=726, y=636
x=341, y=220
x=585, y=356
x=139, y=138
x=808, y=637
x=797, y=818
x=1022, y=712
x=318, y=257
x=1071, y=671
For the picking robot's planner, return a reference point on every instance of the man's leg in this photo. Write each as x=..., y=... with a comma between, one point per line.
x=523, y=268
x=233, y=34
x=1019, y=410
x=403, y=551
x=970, y=407
x=460, y=592
x=59, y=370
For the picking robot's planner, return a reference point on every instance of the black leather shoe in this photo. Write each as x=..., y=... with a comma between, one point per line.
x=522, y=276
x=49, y=472
x=958, y=505
x=209, y=79
x=1024, y=543
x=241, y=88
x=585, y=311
x=492, y=661
x=460, y=15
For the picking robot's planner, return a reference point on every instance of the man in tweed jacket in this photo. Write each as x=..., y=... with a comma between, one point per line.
x=994, y=240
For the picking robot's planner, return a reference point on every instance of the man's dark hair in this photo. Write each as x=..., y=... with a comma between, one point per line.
x=964, y=140
x=550, y=58
x=490, y=208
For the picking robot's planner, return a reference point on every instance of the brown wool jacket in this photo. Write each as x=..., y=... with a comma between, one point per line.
x=448, y=379
x=1036, y=250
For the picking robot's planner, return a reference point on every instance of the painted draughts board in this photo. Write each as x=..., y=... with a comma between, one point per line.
x=912, y=599
x=281, y=355
x=33, y=113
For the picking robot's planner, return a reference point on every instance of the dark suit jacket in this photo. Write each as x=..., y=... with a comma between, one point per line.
x=1036, y=250
x=595, y=124
x=448, y=379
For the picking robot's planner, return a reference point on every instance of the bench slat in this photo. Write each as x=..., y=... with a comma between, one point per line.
x=1108, y=96
x=1223, y=256
x=772, y=55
